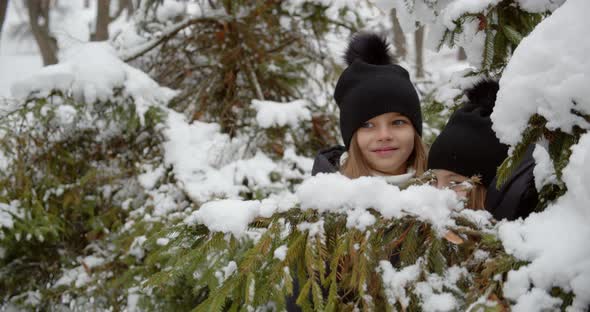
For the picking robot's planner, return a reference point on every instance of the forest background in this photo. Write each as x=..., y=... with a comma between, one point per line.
x=161, y=159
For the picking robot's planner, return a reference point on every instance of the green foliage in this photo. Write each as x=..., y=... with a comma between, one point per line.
x=334, y=268
x=69, y=165
x=266, y=50
x=504, y=26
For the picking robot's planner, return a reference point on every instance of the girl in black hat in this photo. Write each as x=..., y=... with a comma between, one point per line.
x=468, y=147
x=380, y=117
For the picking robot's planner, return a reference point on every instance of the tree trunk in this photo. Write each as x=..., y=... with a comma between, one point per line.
x=419, y=41
x=39, y=11
x=3, y=8
x=129, y=5
x=461, y=56
x=103, y=19
x=399, y=39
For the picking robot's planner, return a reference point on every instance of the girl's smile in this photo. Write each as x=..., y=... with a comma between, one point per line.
x=386, y=142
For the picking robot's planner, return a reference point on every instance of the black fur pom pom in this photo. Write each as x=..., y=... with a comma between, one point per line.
x=483, y=94
x=369, y=48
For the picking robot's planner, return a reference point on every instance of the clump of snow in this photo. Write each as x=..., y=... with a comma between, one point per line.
x=281, y=252
x=79, y=275
x=90, y=72
x=481, y=218
x=66, y=114
x=136, y=249
x=208, y=163
x=162, y=241
x=274, y=114
x=544, y=170
x=228, y=216
x=458, y=8
x=170, y=9
x=349, y=195
x=277, y=203
x=315, y=228
x=547, y=75
x=7, y=214
x=537, y=300
x=539, y=6
x=395, y=281
x=552, y=240
x=226, y=271
x=151, y=176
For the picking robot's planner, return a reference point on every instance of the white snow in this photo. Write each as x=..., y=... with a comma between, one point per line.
x=79, y=275
x=551, y=240
x=547, y=75
x=314, y=228
x=150, y=177
x=539, y=6
x=90, y=72
x=7, y=214
x=281, y=252
x=458, y=8
x=170, y=9
x=544, y=170
x=226, y=271
x=228, y=216
x=480, y=217
x=274, y=114
x=537, y=300
x=136, y=249
x=209, y=164
x=162, y=241
x=337, y=193
x=395, y=281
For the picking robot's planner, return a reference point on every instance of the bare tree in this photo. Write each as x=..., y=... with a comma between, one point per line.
x=3, y=8
x=461, y=56
x=103, y=19
x=419, y=41
x=39, y=20
x=399, y=39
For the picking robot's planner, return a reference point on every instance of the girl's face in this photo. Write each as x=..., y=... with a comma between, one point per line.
x=386, y=142
x=451, y=180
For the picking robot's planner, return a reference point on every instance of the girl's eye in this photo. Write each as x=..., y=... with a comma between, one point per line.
x=399, y=122
x=367, y=125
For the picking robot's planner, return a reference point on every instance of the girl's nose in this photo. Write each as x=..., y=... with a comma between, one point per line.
x=384, y=134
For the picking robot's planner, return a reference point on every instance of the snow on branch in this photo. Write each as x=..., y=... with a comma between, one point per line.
x=92, y=72
x=130, y=54
x=270, y=114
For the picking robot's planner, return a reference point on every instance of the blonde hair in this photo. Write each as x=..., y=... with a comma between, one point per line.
x=476, y=197
x=356, y=165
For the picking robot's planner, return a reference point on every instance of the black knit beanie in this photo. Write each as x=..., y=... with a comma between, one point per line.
x=372, y=85
x=467, y=145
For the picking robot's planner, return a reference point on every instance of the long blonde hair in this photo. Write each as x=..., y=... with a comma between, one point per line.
x=356, y=165
x=476, y=197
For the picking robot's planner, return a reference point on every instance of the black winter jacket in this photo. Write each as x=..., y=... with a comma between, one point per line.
x=518, y=197
x=328, y=160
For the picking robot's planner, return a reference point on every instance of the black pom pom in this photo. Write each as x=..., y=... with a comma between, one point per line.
x=369, y=48
x=483, y=94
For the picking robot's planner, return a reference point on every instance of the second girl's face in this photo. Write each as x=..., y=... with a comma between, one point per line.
x=386, y=142
x=451, y=180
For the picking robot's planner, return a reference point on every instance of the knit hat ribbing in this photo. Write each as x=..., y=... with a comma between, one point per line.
x=372, y=85
x=467, y=145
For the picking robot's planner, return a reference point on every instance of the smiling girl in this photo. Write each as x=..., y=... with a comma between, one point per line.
x=380, y=117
